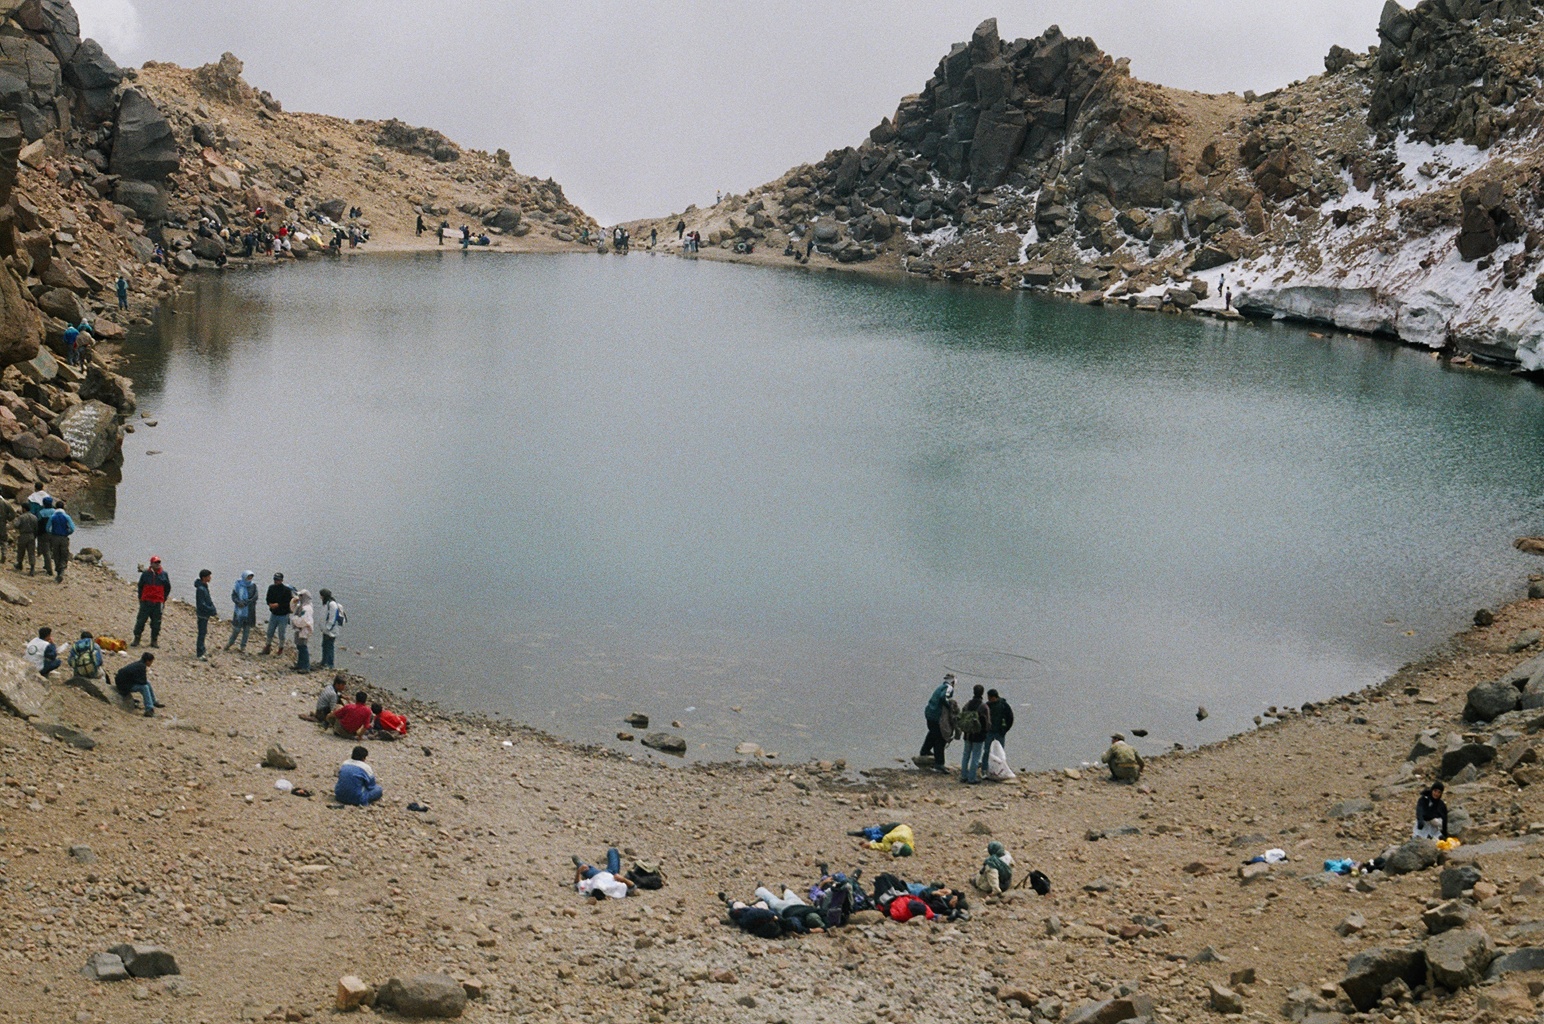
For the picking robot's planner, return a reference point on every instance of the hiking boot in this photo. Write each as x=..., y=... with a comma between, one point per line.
x=922, y=762
x=134, y=642
x=266, y=649
x=577, y=862
x=150, y=712
x=155, y=643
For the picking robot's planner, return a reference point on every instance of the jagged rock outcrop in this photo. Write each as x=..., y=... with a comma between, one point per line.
x=144, y=147
x=1400, y=193
x=406, y=138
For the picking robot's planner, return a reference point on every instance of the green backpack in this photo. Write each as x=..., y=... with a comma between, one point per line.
x=83, y=661
x=970, y=722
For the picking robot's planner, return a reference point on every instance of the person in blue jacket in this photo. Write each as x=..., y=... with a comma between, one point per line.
x=204, y=606
x=243, y=610
x=933, y=713
x=356, y=781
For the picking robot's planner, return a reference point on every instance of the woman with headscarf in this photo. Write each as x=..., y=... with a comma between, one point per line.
x=1431, y=813
x=303, y=619
x=997, y=870
x=244, y=612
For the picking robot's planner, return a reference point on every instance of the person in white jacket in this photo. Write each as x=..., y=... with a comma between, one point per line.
x=303, y=620
x=333, y=618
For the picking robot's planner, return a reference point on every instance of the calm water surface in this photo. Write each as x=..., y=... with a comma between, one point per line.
x=776, y=506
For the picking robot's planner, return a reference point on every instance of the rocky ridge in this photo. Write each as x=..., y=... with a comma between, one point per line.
x=100, y=164
x=1401, y=193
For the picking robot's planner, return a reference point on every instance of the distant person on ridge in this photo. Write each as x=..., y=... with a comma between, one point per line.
x=122, y=285
x=203, y=605
x=653, y=236
x=419, y=227
x=937, y=708
x=278, y=600
x=1124, y=761
x=243, y=609
x=680, y=230
x=154, y=588
x=27, y=540
x=60, y=528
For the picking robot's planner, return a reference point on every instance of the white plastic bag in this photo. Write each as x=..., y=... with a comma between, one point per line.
x=997, y=763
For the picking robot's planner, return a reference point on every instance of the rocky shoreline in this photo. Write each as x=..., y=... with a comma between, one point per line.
x=1393, y=195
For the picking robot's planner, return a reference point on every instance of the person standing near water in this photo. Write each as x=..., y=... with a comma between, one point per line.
x=974, y=722
x=154, y=588
x=937, y=706
x=418, y=229
x=278, y=600
x=60, y=527
x=333, y=618
x=27, y=539
x=680, y=230
x=243, y=609
x=1001, y=717
x=304, y=621
x=203, y=605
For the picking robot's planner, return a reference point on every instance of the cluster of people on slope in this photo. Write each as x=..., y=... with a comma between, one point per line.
x=84, y=658
x=287, y=607
x=356, y=719
x=43, y=527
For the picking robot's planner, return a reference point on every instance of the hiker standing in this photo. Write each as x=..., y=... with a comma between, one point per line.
x=333, y=618
x=45, y=512
x=27, y=540
x=1001, y=720
x=60, y=527
x=974, y=721
x=278, y=599
x=680, y=229
x=7, y=513
x=203, y=604
x=937, y=707
x=304, y=621
x=243, y=609
x=154, y=588
x=122, y=285
x=419, y=228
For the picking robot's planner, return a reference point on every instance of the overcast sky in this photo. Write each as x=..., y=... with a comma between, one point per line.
x=641, y=108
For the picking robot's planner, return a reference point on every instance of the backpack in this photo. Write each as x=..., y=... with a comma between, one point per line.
x=83, y=660
x=59, y=525
x=1039, y=882
x=646, y=875
x=970, y=723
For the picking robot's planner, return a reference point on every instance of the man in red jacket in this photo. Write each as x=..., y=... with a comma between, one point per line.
x=352, y=721
x=154, y=588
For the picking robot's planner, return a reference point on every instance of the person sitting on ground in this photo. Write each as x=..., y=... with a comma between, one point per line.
x=996, y=873
x=135, y=678
x=351, y=721
x=388, y=724
x=897, y=842
x=356, y=784
x=42, y=652
x=86, y=657
x=1125, y=763
x=592, y=881
x=329, y=699
x=1431, y=813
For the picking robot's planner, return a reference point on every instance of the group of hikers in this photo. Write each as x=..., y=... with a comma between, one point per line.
x=983, y=723
x=356, y=719
x=43, y=527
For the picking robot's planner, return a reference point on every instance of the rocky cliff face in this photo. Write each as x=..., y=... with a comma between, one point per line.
x=1399, y=193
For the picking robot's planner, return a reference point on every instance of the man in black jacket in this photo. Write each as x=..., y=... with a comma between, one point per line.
x=1002, y=719
x=278, y=600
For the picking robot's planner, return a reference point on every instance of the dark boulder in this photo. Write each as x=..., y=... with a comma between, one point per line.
x=1461, y=754
x=333, y=209
x=1456, y=958
x=1414, y=855
x=505, y=218
x=1371, y=969
x=144, y=147
x=148, y=201
x=999, y=135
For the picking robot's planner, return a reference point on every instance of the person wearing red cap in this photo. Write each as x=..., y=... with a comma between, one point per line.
x=154, y=588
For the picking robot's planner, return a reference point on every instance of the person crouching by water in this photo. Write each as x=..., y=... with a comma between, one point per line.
x=1125, y=763
x=934, y=714
x=1431, y=814
x=356, y=785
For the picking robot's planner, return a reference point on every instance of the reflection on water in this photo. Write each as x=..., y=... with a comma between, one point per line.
x=566, y=488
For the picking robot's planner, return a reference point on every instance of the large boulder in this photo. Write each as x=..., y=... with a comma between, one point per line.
x=505, y=218
x=144, y=147
x=63, y=304
x=107, y=387
x=145, y=961
x=1491, y=700
x=423, y=995
x=19, y=326
x=21, y=688
x=1415, y=855
x=11, y=141
x=147, y=200
x=1461, y=753
x=1458, y=958
x=95, y=76
x=333, y=209
x=1371, y=969
x=91, y=431
x=29, y=82
x=999, y=136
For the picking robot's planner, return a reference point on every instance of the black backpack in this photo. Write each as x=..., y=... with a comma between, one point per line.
x=647, y=876
x=1039, y=882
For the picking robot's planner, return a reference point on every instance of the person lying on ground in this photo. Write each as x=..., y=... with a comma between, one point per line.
x=356, y=784
x=592, y=881
x=388, y=725
x=898, y=842
x=1431, y=813
x=755, y=918
x=352, y=721
x=42, y=653
x=328, y=700
x=800, y=916
x=902, y=907
x=1125, y=763
x=996, y=873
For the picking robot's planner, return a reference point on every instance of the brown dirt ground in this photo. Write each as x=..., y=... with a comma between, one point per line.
x=267, y=899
